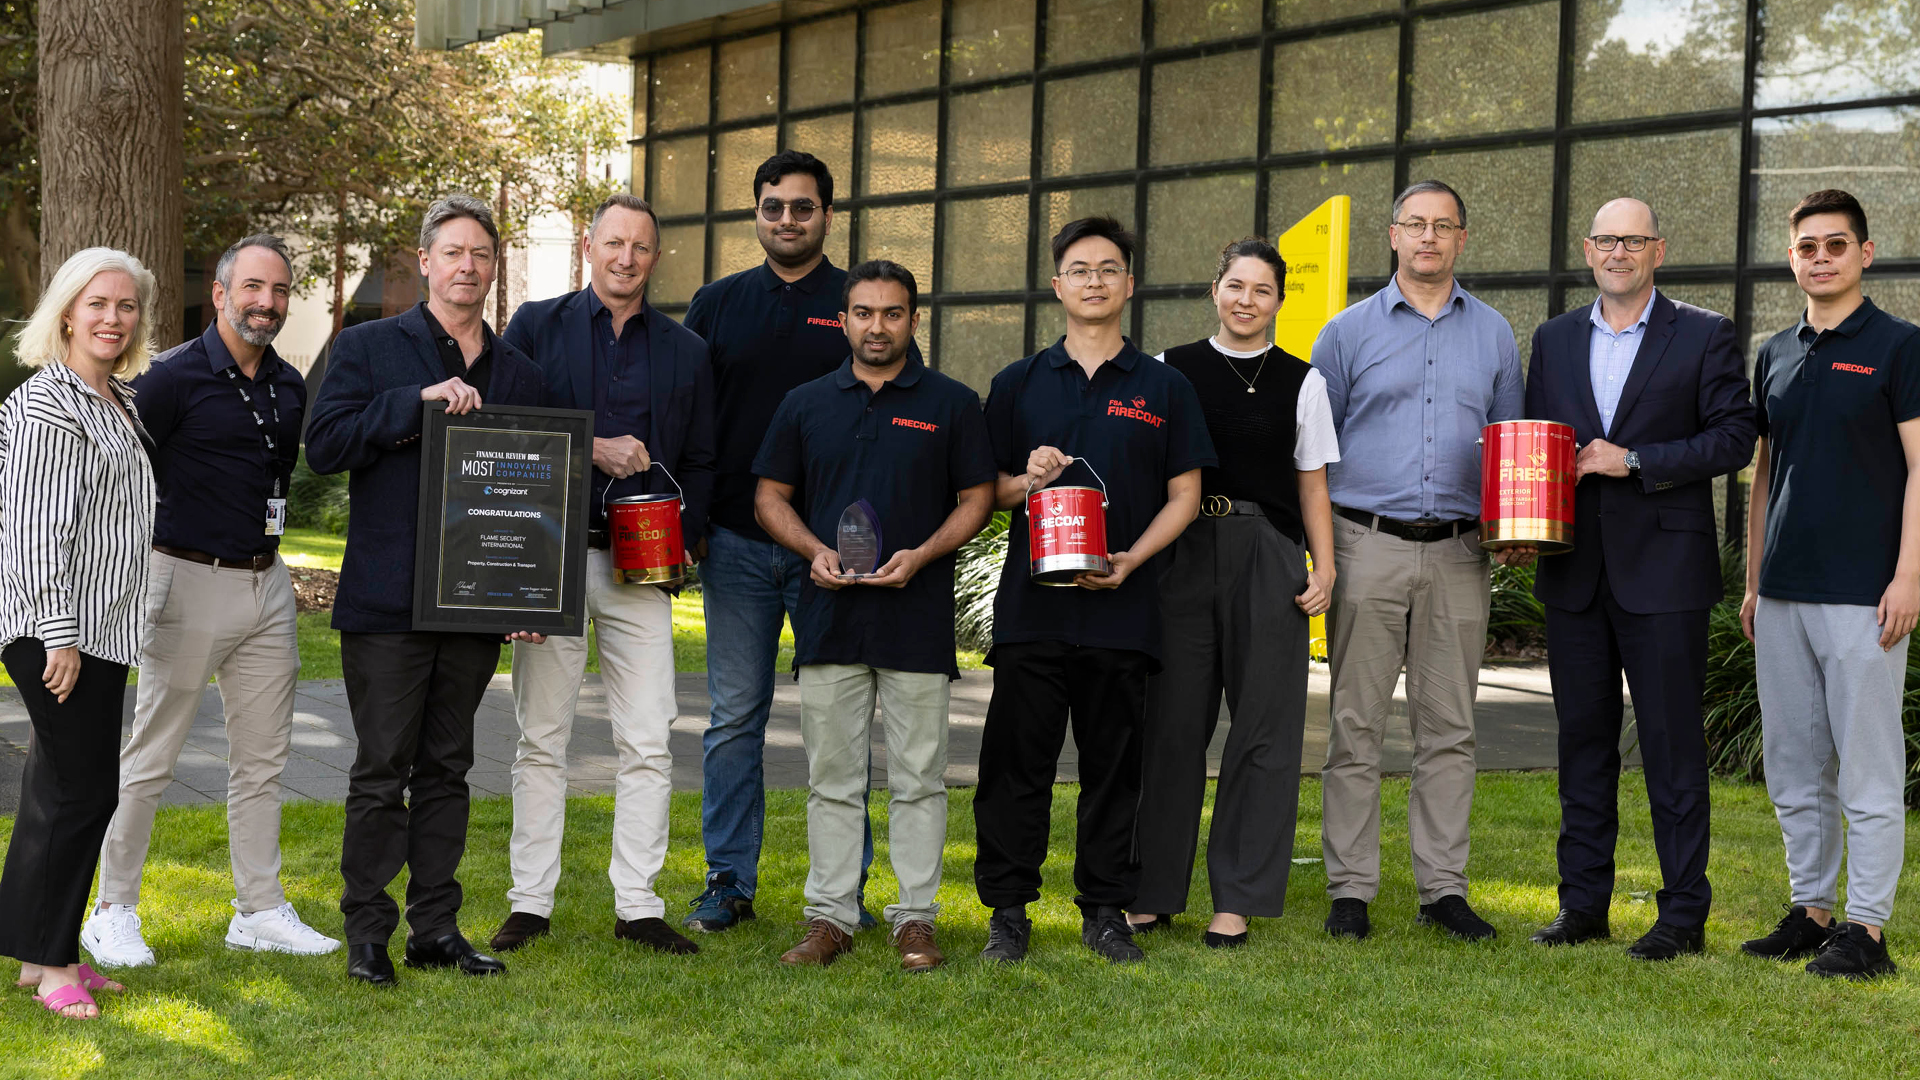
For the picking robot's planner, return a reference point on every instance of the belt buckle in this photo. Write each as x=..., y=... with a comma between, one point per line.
x=1216, y=506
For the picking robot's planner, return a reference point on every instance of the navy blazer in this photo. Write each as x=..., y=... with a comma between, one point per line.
x=367, y=419
x=558, y=335
x=1687, y=410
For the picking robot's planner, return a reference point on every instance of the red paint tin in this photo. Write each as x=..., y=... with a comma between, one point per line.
x=1066, y=534
x=1526, y=485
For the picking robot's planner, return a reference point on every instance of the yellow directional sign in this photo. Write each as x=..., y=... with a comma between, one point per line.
x=1315, y=250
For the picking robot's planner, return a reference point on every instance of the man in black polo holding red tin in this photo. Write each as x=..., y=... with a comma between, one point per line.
x=1090, y=406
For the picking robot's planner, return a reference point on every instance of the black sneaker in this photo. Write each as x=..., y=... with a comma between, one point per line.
x=1851, y=953
x=1106, y=932
x=1007, y=934
x=1793, y=937
x=1349, y=918
x=1451, y=913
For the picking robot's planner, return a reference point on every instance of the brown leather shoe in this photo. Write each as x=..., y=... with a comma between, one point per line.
x=914, y=939
x=823, y=945
x=520, y=928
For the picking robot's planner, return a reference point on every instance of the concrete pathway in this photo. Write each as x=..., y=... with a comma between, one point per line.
x=1515, y=717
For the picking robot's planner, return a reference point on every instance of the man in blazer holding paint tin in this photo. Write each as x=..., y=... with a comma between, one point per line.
x=648, y=382
x=1657, y=397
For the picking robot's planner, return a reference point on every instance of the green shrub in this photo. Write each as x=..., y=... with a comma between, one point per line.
x=976, y=575
x=1514, y=615
x=317, y=502
x=1731, y=704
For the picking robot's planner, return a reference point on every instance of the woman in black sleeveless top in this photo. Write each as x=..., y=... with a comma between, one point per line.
x=1235, y=597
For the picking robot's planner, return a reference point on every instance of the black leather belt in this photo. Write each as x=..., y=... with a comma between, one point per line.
x=255, y=563
x=1222, y=506
x=1418, y=532
x=598, y=540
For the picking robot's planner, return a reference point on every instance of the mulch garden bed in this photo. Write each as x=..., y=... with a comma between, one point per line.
x=313, y=589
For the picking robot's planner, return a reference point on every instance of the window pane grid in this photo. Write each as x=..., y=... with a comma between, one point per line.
x=920, y=108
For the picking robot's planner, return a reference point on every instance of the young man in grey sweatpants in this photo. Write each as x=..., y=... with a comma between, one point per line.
x=1838, y=398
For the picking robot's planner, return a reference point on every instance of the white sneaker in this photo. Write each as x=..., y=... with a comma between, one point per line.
x=278, y=930
x=113, y=938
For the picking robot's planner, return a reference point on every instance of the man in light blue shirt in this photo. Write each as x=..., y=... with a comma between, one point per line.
x=1413, y=373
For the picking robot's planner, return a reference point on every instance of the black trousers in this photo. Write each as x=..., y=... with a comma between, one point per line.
x=67, y=797
x=413, y=697
x=1039, y=688
x=1665, y=660
x=1229, y=625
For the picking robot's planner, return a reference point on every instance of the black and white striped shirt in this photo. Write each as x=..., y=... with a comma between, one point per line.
x=76, y=517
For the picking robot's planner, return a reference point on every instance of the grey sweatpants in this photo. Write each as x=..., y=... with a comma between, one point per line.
x=1830, y=723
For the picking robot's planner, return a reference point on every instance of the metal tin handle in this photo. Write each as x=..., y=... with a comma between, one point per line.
x=650, y=467
x=1096, y=477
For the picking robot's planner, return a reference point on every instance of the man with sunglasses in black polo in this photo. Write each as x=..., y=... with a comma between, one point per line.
x=1656, y=394
x=1833, y=591
x=768, y=329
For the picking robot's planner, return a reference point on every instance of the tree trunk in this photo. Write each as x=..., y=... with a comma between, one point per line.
x=339, y=266
x=112, y=79
x=579, y=225
x=500, y=262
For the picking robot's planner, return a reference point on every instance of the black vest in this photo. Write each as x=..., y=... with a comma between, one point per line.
x=1254, y=434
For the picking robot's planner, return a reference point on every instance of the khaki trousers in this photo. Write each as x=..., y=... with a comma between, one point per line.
x=1397, y=603
x=236, y=627
x=633, y=626
x=836, y=723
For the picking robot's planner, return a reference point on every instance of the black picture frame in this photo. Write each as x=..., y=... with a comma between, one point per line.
x=502, y=539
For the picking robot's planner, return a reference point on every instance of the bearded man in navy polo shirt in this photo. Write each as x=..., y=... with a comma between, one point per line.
x=911, y=445
x=1090, y=407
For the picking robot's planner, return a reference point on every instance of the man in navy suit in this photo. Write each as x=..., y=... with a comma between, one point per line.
x=412, y=693
x=1657, y=397
x=648, y=383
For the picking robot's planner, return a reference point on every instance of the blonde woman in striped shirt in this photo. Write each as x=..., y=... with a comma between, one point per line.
x=76, y=520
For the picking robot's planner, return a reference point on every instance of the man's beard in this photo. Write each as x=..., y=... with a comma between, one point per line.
x=250, y=334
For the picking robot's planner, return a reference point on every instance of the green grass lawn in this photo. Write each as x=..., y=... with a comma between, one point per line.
x=1405, y=1003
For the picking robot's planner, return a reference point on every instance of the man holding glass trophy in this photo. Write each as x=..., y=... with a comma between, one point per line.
x=890, y=462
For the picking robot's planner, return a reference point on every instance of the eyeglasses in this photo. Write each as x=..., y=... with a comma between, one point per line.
x=1604, y=242
x=801, y=209
x=1836, y=246
x=1418, y=229
x=1081, y=276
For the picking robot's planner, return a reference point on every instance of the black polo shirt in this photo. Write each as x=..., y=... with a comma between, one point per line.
x=622, y=394
x=765, y=336
x=211, y=460
x=908, y=449
x=1828, y=404
x=453, y=361
x=1138, y=424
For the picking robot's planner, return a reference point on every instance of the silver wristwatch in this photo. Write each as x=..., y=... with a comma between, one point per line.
x=1633, y=464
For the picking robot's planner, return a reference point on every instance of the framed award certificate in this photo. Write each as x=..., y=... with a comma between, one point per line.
x=503, y=520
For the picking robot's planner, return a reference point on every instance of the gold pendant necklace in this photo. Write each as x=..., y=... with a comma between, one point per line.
x=1236, y=370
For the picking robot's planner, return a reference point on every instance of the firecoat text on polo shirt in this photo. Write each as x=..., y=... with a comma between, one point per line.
x=1138, y=424
x=1829, y=404
x=211, y=461
x=908, y=449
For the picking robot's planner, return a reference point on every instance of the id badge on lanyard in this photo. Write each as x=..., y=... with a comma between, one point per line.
x=276, y=503
x=276, y=513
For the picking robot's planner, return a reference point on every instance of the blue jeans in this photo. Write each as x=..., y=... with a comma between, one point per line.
x=747, y=586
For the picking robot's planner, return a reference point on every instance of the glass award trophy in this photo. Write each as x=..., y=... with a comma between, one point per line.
x=859, y=540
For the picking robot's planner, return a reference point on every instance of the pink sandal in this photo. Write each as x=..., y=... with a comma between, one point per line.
x=93, y=980
x=65, y=998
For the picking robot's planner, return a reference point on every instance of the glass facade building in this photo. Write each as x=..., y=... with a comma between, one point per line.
x=963, y=132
